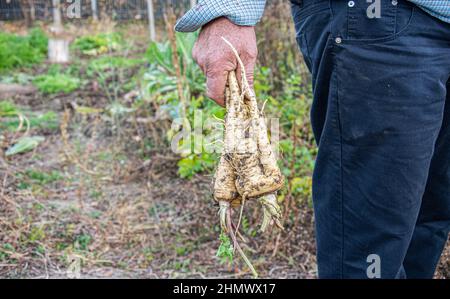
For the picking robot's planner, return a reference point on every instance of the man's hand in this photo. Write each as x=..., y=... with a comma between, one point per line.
x=216, y=58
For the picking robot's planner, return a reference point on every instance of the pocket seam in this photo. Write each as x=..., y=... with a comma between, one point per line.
x=381, y=40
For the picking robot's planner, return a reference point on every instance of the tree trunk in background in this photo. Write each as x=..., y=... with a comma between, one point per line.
x=58, y=46
x=94, y=9
x=151, y=20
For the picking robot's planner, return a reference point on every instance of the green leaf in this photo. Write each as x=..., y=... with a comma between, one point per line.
x=22, y=51
x=7, y=108
x=24, y=144
x=54, y=83
x=225, y=250
x=161, y=54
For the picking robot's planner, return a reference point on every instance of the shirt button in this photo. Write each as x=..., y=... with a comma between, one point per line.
x=394, y=2
x=338, y=40
x=351, y=3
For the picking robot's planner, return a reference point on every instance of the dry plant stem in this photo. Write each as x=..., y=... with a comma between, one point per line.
x=241, y=212
x=22, y=119
x=227, y=226
x=237, y=247
x=72, y=157
x=243, y=239
x=169, y=18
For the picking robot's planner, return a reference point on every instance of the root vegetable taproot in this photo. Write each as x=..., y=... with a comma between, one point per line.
x=248, y=167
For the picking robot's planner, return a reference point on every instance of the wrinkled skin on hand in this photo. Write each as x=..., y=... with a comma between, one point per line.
x=216, y=59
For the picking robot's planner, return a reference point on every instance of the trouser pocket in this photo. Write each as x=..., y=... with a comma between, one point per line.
x=362, y=22
x=368, y=20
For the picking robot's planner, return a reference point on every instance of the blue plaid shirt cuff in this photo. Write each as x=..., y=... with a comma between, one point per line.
x=240, y=12
x=438, y=8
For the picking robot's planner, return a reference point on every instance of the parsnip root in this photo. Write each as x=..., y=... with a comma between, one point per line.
x=247, y=168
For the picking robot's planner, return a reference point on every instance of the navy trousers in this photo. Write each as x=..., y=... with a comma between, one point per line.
x=381, y=119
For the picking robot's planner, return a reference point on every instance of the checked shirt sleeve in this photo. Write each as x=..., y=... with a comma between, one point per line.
x=438, y=8
x=240, y=12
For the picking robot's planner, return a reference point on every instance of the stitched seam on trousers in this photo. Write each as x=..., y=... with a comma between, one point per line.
x=401, y=32
x=333, y=48
x=396, y=11
x=341, y=176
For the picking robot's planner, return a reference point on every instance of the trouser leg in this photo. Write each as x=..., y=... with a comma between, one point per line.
x=433, y=224
x=377, y=112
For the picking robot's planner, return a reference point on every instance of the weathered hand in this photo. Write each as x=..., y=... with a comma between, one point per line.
x=216, y=59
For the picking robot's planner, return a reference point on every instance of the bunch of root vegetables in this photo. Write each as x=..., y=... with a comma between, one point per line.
x=248, y=167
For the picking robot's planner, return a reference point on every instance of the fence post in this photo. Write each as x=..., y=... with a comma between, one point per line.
x=94, y=10
x=58, y=45
x=151, y=20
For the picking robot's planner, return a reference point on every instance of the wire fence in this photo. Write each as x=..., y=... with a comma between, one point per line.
x=33, y=10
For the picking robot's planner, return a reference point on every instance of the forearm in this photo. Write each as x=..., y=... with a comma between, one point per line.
x=240, y=12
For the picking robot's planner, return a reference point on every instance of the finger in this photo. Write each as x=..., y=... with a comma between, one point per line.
x=249, y=66
x=197, y=56
x=215, y=86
